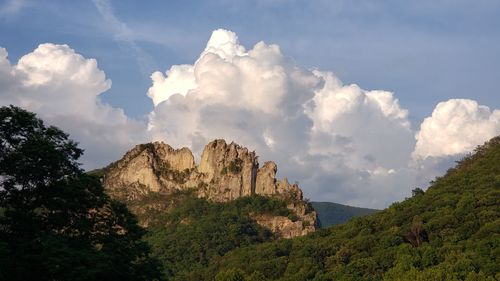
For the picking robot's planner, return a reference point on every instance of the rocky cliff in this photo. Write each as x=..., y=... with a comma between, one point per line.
x=225, y=172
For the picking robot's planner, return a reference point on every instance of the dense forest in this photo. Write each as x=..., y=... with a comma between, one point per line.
x=197, y=231
x=57, y=223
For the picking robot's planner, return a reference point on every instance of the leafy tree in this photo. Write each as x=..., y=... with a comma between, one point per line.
x=31, y=154
x=416, y=232
x=417, y=192
x=230, y=275
x=56, y=223
x=256, y=276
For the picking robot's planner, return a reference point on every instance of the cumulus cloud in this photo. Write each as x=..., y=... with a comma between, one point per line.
x=341, y=142
x=366, y=125
x=329, y=136
x=233, y=93
x=63, y=88
x=455, y=127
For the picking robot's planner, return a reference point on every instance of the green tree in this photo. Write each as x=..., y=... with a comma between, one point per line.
x=256, y=276
x=56, y=223
x=416, y=233
x=230, y=275
x=31, y=154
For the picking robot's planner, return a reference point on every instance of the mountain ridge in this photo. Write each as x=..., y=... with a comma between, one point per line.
x=225, y=172
x=331, y=213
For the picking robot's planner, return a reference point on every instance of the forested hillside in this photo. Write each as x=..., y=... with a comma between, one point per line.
x=449, y=232
x=197, y=231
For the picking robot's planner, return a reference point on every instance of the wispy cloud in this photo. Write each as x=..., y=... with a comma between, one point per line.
x=11, y=8
x=124, y=36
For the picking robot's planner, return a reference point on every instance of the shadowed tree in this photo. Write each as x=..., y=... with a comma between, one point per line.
x=56, y=223
x=416, y=233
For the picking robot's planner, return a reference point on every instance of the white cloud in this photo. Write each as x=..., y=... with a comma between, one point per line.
x=364, y=126
x=63, y=88
x=241, y=95
x=307, y=121
x=456, y=126
x=341, y=142
x=178, y=80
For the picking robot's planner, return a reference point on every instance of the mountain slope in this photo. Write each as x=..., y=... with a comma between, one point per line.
x=333, y=213
x=198, y=213
x=449, y=232
x=197, y=230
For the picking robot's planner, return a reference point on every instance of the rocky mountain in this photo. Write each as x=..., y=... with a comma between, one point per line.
x=226, y=172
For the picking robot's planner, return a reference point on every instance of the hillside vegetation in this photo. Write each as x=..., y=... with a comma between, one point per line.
x=196, y=231
x=449, y=232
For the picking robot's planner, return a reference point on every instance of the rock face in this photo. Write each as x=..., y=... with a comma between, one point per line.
x=152, y=167
x=226, y=172
x=285, y=227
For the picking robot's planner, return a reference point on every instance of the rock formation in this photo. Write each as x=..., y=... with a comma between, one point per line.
x=226, y=172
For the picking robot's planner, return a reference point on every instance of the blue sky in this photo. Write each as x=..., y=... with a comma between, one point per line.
x=425, y=51
x=361, y=102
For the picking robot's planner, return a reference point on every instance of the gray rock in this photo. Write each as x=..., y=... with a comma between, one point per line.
x=226, y=172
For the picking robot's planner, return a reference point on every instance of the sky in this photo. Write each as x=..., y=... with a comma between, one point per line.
x=358, y=101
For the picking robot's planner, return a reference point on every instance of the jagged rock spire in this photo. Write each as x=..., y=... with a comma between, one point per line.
x=226, y=172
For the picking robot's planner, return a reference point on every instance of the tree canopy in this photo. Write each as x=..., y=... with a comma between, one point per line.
x=56, y=223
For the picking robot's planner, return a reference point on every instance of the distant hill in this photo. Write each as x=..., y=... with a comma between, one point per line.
x=333, y=213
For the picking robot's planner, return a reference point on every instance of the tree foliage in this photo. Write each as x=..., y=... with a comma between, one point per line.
x=197, y=231
x=55, y=222
x=31, y=154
